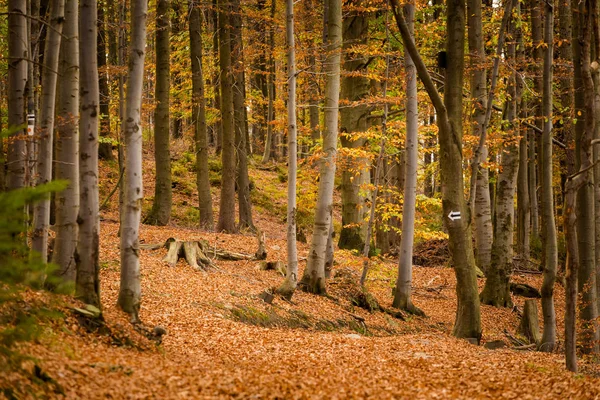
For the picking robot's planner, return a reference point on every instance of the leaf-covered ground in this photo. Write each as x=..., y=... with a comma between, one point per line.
x=223, y=341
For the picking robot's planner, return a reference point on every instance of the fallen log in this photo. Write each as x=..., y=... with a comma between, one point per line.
x=525, y=290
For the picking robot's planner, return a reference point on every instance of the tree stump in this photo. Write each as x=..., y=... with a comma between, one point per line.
x=530, y=325
x=190, y=250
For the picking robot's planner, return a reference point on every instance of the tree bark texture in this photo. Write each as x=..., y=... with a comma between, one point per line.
x=548, y=342
x=226, y=221
x=354, y=123
x=291, y=279
x=482, y=209
x=88, y=268
x=496, y=291
x=199, y=119
x=402, y=296
x=313, y=279
x=240, y=119
x=130, y=289
x=160, y=214
x=41, y=210
x=67, y=147
x=16, y=162
x=105, y=147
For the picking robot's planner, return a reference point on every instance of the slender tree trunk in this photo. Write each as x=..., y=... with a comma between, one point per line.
x=88, y=267
x=523, y=205
x=268, y=153
x=67, y=147
x=353, y=124
x=16, y=162
x=199, y=119
x=227, y=203
x=496, y=291
x=240, y=118
x=482, y=208
x=160, y=214
x=41, y=213
x=289, y=285
x=218, y=126
x=536, y=35
x=105, y=147
x=130, y=289
x=584, y=133
x=550, y=247
x=595, y=67
x=402, y=296
x=449, y=117
x=313, y=279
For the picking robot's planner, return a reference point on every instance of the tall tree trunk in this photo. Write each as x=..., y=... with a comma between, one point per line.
x=227, y=203
x=483, y=214
x=449, y=117
x=105, y=147
x=595, y=67
x=269, y=140
x=402, y=296
x=67, y=147
x=217, y=128
x=17, y=80
x=313, y=279
x=41, y=213
x=88, y=268
x=354, y=122
x=550, y=248
x=199, y=119
x=536, y=35
x=289, y=285
x=130, y=289
x=160, y=214
x=240, y=119
x=584, y=133
x=496, y=291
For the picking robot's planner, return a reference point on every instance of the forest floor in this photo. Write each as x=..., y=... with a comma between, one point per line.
x=224, y=341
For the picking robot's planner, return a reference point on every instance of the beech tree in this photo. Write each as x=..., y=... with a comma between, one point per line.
x=353, y=124
x=289, y=285
x=17, y=79
x=226, y=222
x=313, y=279
x=160, y=214
x=130, y=288
x=67, y=147
x=449, y=118
x=88, y=267
x=41, y=211
x=402, y=295
x=199, y=119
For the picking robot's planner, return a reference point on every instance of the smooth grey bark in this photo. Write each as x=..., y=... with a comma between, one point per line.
x=67, y=147
x=496, y=291
x=291, y=279
x=88, y=267
x=269, y=152
x=481, y=207
x=160, y=214
x=313, y=280
x=105, y=147
x=130, y=288
x=402, y=296
x=535, y=144
x=199, y=119
x=240, y=119
x=548, y=342
x=584, y=133
x=353, y=123
x=226, y=220
x=16, y=162
x=449, y=118
x=41, y=210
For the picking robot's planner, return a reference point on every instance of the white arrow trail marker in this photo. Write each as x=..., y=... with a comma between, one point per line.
x=454, y=215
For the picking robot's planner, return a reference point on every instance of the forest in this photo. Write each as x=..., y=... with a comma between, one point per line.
x=300, y=199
